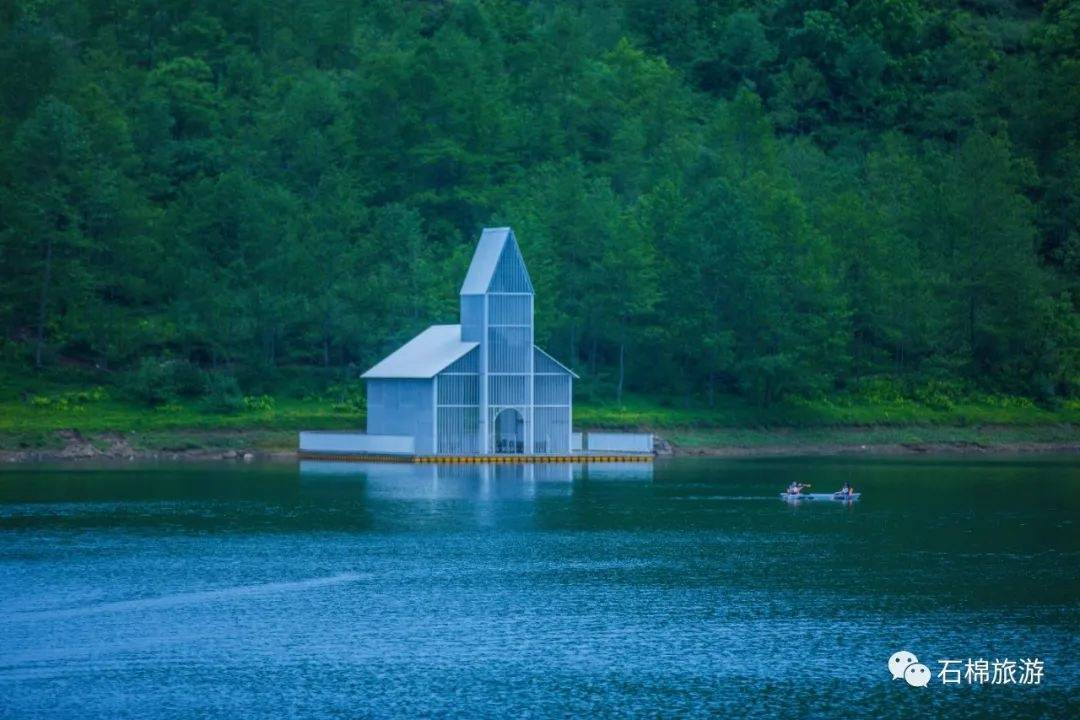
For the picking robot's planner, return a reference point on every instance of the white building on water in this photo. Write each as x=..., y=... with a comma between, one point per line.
x=481, y=387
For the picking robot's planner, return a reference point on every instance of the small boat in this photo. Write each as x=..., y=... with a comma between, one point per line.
x=821, y=496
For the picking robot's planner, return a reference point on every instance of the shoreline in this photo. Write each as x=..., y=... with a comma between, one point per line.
x=930, y=449
x=248, y=446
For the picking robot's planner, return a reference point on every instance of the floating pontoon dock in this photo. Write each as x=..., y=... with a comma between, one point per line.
x=361, y=447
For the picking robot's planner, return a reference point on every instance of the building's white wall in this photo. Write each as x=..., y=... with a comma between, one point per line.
x=402, y=407
x=619, y=442
x=348, y=443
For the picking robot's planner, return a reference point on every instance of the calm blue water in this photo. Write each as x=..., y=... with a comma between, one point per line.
x=688, y=588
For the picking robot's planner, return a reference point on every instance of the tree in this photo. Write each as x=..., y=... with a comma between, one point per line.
x=53, y=178
x=990, y=250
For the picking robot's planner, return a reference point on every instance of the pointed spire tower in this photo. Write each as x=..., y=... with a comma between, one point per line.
x=497, y=312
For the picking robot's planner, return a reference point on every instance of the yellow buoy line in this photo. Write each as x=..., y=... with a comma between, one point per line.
x=474, y=459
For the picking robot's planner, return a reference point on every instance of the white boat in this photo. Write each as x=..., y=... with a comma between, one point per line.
x=821, y=496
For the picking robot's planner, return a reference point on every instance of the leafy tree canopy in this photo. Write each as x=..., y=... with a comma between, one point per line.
x=768, y=198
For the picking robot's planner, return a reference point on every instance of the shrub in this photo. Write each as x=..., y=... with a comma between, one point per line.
x=152, y=383
x=71, y=400
x=259, y=402
x=222, y=394
x=346, y=398
x=939, y=394
x=158, y=381
x=188, y=379
x=257, y=376
x=95, y=394
x=877, y=390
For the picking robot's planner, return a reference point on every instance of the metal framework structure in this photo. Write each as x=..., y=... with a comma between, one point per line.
x=481, y=387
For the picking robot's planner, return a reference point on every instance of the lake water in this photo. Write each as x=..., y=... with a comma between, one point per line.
x=683, y=588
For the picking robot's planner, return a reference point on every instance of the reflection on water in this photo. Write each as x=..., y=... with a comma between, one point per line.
x=473, y=480
x=676, y=589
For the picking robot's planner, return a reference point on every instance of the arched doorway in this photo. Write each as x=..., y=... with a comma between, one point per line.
x=509, y=429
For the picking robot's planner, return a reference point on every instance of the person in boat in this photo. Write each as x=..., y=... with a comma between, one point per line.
x=847, y=489
x=796, y=488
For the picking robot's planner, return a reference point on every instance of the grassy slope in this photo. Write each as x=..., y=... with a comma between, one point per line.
x=733, y=412
x=843, y=421
x=32, y=409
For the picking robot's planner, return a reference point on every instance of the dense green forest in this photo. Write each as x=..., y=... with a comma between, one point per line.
x=774, y=199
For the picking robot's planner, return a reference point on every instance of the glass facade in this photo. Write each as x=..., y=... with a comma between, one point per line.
x=552, y=400
x=457, y=397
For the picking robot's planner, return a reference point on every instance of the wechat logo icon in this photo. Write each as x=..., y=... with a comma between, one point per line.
x=905, y=665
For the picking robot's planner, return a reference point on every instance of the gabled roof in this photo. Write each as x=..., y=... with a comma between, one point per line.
x=424, y=356
x=537, y=349
x=485, y=260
